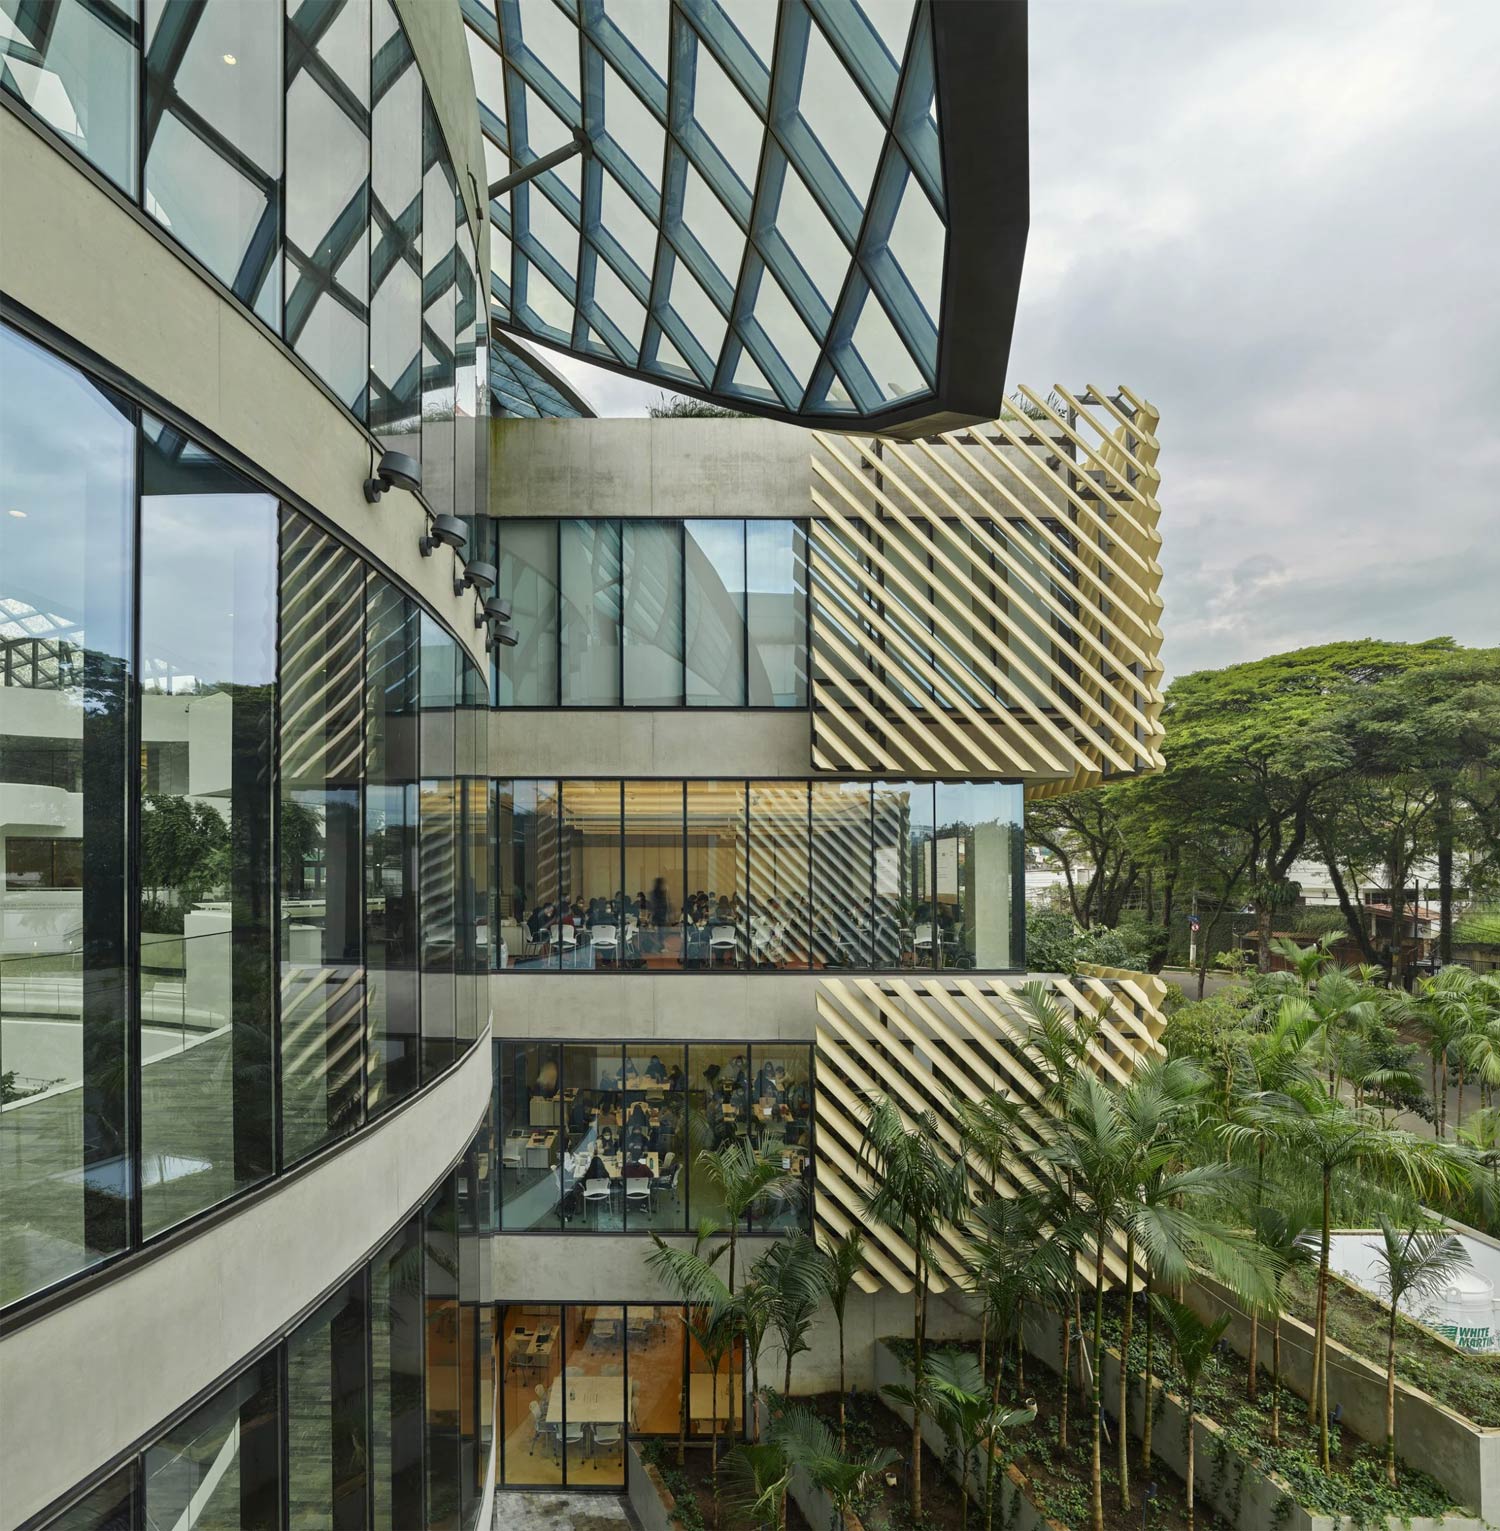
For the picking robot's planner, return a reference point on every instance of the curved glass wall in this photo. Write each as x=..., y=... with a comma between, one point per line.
x=653, y=613
x=244, y=850
x=766, y=876
x=295, y=154
x=376, y=1410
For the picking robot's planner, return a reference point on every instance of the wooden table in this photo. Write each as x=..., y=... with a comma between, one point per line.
x=527, y=1349
x=588, y=1401
x=704, y=1391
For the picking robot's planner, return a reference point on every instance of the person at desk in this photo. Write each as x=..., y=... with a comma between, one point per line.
x=736, y=1075
x=541, y=921
x=640, y=1118
x=675, y=1078
x=656, y=1070
x=765, y=1082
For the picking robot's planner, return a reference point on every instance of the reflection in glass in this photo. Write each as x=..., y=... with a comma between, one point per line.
x=716, y=858
x=221, y=1465
x=395, y=236
x=653, y=866
x=715, y=613
x=531, y=1124
x=594, y=1081
x=718, y=1113
x=327, y=1450
x=322, y=761
x=590, y=587
x=527, y=673
x=445, y=1360
x=653, y=1131
x=594, y=900
x=108, y=1507
x=526, y=836
x=327, y=191
x=593, y=1436
x=979, y=874
x=532, y=1400
x=213, y=140
x=439, y=297
x=656, y=1346
x=438, y=847
x=396, y=1380
x=781, y=1133
x=776, y=612
x=903, y=873
x=780, y=887
x=842, y=870
x=69, y=455
x=652, y=574
x=392, y=661
x=208, y=668
x=74, y=65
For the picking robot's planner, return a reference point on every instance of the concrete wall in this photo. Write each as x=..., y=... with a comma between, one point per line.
x=639, y=742
x=640, y=1005
x=664, y=468
x=71, y=254
x=117, y=1360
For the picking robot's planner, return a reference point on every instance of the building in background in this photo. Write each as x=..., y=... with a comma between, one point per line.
x=430, y=814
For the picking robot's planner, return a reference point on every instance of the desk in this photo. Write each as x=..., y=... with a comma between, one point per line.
x=588, y=1400
x=539, y=1152
x=705, y=1391
x=531, y=1350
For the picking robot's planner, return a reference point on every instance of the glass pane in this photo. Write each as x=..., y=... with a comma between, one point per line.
x=392, y=657
x=593, y=1091
x=65, y=597
x=592, y=893
x=776, y=612
x=109, y=1507
x=718, y=1102
x=327, y=191
x=443, y=1366
x=527, y=837
x=439, y=298
x=75, y=67
x=531, y=1361
x=594, y=1432
x=716, y=858
x=395, y=238
x=208, y=671
x=322, y=762
x=715, y=613
x=903, y=874
x=655, y=1137
x=653, y=866
x=531, y=1123
x=590, y=587
x=781, y=1129
x=652, y=560
x=657, y=1346
x=438, y=847
x=213, y=140
x=779, y=874
x=842, y=871
x=221, y=1465
x=327, y=1448
x=527, y=673
x=716, y=1386
x=979, y=874
x=396, y=1380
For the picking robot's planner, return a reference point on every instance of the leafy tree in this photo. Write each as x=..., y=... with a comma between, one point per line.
x=842, y=1261
x=1193, y=1340
x=743, y=1180
x=1289, y=1243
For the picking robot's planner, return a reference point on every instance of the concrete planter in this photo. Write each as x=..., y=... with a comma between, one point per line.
x=1014, y=1507
x=818, y=1508
x=1461, y=1455
x=649, y=1497
x=1238, y=1491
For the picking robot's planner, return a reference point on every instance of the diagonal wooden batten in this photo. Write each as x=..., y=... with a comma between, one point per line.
x=1126, y=488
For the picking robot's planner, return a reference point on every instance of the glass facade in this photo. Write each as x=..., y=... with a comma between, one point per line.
x=374, y=1411
x=602, y=1137
x=722, y=876
x=232, y=830
x=292, y=149
x=638, y=613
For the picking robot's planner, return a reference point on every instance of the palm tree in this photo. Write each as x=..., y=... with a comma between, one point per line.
x=793, y=1272
x=1415, y=1265
x=811, y=1448
x=917, y=1191
x=842, y=1261
x=757, y=1475
x=1288, y=1243
x=716, y=1329
x=742, y=1179
x=1193, y=1341
x=690, y=1272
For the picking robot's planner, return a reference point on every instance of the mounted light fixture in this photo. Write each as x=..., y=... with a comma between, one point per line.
x=446, y=532
x=396, y=471
x=476, y=576
x=504, y=635
x=496, y=609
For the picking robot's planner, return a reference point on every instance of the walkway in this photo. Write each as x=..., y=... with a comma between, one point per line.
x=552, y=1510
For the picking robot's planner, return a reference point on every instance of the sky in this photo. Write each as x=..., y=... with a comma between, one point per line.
x=1280, y=223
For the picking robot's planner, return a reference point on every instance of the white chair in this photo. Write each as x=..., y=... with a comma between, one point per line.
x=539, y=1427
x=595, y=1191
x=638, y=1188
x=608, y=1436
x=723, y=944
x=566, y=937
x=921, y=943
x=572, y=1435
x=607, y=942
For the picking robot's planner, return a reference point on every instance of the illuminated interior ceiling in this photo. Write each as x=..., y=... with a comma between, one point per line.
x=815, y=211
x=524, y=387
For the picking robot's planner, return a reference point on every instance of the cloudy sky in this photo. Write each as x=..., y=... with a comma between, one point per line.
x=1280, y=222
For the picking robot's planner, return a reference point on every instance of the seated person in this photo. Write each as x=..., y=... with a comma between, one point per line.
x=596, y=1169
x=636, y=1169
x=541, y=921
x=639, y=1117
x=675, y=1078
x=656, y=1070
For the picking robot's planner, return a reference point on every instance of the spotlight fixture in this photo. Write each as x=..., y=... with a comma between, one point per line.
x=476, y=576
x=497, y=609
x=504, y=635
x=396, y=471
x=447, y=532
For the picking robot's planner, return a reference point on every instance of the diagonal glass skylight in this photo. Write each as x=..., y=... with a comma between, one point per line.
x=523, y=387
x=760, y=214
